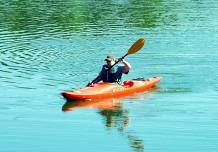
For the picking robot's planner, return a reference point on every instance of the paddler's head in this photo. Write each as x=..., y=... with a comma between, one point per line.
x=110, y=59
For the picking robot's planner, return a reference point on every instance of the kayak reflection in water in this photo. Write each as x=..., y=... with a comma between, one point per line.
x=114, y=117
x=111, y=72
x=101, y=104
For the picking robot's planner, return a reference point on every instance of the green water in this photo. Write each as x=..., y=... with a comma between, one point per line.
x=47, y=47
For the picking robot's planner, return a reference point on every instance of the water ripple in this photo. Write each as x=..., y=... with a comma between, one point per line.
x=50, y=46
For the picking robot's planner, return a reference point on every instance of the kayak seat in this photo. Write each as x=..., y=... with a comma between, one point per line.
x=128, y=83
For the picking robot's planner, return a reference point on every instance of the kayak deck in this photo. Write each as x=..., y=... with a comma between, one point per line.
x=105, y=90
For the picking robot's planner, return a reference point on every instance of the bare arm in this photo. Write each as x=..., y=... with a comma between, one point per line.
x=126, y=65
x=97, y=79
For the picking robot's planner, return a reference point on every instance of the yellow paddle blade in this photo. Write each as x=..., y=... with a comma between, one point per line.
x=136, y=46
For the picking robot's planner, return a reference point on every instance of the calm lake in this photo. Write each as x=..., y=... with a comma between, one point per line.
x=47, y=47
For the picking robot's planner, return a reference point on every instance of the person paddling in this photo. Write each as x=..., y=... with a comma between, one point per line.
x=111, y=72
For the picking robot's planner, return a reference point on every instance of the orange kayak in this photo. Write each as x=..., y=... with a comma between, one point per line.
x=108, y=90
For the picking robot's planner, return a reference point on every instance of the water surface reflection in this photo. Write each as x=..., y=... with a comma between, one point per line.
x=114, y=115
x=119, y=119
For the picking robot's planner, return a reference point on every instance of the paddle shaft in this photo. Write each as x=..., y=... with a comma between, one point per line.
x=117, y=62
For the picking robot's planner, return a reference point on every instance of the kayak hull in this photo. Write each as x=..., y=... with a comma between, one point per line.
x=108, y=90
